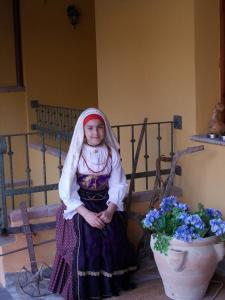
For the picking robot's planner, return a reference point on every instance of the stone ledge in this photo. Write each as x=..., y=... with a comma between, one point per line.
x=34, y=212
x=205, y=139
x=5, y=240
x=37, y=212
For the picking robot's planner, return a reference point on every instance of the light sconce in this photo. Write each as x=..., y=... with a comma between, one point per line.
x=73, y=15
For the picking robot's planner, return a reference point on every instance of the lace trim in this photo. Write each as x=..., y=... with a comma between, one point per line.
x=107, y=274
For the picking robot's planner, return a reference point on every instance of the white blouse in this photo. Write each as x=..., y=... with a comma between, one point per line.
x=96, y=158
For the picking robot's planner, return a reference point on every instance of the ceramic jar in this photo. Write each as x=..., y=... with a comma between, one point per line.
x=188, y=267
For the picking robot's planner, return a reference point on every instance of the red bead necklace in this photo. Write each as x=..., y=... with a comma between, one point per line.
x=89, y=168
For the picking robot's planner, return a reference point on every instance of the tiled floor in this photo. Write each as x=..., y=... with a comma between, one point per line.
x=149, y=287
x=152, y=290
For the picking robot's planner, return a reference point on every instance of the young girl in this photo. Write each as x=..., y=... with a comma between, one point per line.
x=94, y=258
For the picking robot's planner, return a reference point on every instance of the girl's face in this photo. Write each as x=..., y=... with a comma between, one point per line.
x=94, y=131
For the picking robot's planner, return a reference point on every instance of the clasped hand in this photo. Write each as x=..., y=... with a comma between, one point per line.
x=99, y=220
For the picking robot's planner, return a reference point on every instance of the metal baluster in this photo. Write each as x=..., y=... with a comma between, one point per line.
x=60, y=166
x=118, y=133
x=55, y=123
x=28, y=169
x=3, y=207
x=48, y=123
x=67, y=122
x=159, y=146
x=57, y=119
x=43, y=150
x=62, y=120
x=71, y=121
x=146, y=156
x=159, y=139
x=118, y=136
x=171, y=148
x=61, y=123
x=38, y=117
x=45, y=117
x=132, y=149
x=42, y=117
x=10, y=154
x=40, y=112
x=51, y=127
x=71, y=125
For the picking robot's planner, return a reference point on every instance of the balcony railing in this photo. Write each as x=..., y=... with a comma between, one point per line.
x=54, y=120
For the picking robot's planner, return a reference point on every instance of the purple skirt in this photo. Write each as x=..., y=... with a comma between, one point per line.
x=90, y=262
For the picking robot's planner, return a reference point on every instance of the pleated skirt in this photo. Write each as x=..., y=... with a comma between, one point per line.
x=91, y=263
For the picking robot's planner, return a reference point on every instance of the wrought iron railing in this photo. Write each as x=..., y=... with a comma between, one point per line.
x=53, y=120
x=15, y=161
x=11, y=156
x=18, y=176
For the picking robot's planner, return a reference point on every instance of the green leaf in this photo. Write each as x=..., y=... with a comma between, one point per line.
x=162, y=243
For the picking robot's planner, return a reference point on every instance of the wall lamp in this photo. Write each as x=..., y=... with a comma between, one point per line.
x=73, y=15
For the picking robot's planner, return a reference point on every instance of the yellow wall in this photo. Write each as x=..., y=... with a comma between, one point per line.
x=145, y=59
x=207, y=55
x=157, y=59
x=59, y=61
x=148, y=67
x=12, y=113
x=13, y=120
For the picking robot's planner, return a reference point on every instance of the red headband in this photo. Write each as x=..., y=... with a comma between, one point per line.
x=93, y=117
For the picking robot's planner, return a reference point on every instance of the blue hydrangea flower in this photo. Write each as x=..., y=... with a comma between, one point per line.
x=183, y=216
x=150, y=218
x=213, y=213
x=195, y=221
x=168, y=203
x=217, y=226
x=182, y=206
x=186, y=233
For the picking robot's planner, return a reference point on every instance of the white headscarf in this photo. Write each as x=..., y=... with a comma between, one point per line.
x=68, y=177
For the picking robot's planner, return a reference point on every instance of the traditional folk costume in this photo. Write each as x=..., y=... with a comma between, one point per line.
x=91, y=263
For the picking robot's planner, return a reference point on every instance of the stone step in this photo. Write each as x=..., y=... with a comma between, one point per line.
x=4, y=294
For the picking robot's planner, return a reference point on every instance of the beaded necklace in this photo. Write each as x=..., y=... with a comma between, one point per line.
x=106, y=162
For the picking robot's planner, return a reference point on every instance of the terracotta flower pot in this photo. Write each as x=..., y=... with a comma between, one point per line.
x=187, y=269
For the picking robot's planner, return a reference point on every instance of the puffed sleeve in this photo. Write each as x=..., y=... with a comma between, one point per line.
x=68, y=192
x=117, y=182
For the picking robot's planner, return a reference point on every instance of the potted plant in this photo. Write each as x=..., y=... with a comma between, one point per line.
x=187, y=246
